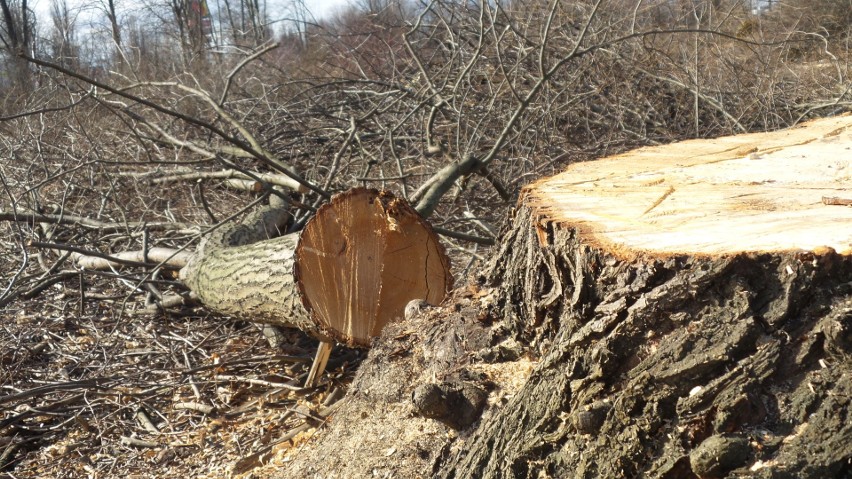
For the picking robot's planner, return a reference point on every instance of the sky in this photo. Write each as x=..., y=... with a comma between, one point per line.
x=319, y=8
x=322, y=8
x=92, y=29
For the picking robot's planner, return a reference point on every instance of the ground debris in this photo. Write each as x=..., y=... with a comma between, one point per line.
x=108, y=394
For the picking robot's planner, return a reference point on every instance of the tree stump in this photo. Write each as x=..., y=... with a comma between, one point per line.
x=700, y=355
x=692, y=306
x=352, y=270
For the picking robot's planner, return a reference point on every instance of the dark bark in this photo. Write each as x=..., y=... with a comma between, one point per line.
x=646, y=359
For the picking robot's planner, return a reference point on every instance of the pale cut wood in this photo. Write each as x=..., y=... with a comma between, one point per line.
x=361, y=259
x=758, y=192
x=319, y=364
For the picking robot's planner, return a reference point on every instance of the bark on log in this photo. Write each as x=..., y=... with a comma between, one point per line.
x=354, y=267
x=706, y=356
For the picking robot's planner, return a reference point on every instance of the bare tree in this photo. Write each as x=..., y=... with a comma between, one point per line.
x=16, y=36
x=62, y=41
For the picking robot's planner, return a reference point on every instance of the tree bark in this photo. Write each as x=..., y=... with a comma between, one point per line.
x=643, y=361
x=711, y=339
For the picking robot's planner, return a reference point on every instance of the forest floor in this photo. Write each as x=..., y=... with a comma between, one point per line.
x=109, y=393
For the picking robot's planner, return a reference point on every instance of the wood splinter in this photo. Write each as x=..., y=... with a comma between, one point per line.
x=320, y=362
x=834, y=200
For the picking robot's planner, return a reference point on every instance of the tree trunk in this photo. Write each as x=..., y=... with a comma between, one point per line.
x=353, y=269
x=644, y=361
x=692, y=313
x=713, y=338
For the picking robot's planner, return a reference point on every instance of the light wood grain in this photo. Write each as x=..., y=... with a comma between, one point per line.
x=745, y=193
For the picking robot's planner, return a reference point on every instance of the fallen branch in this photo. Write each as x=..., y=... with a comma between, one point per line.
x=93, y=254
x=257, y=382
x=250, y=145
x=464, y=236
x=168, y=257
x=104, y=227
x=35, y=290
x=271, y=178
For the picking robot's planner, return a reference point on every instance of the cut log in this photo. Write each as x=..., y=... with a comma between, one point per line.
x=354, y=267
x=690, y=310
x=361, y=259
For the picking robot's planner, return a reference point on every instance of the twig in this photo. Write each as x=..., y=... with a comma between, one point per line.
x=258, y=382
x=245, y=61
x=136, y=442
x=102, y=226
x=194, y=406
x=97, y=383
x=478, y=222
x=145, y=421
x=191, y=378
x=249, y=146
x=464, y=236
x=35, y=290
x=261, y=359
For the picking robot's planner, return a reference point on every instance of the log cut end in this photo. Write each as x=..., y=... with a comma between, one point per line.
x=362, y=258
x=762, y=192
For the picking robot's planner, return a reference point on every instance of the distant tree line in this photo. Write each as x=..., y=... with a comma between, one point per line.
x=454, y=105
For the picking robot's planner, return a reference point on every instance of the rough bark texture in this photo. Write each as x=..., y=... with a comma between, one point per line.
x=680, y=367
x=643, y=362
x=378, y=431
x=235, y=273
x=668, y=352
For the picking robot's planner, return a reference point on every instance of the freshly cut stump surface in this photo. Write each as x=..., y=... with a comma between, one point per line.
x=361, y=259
x=755, y=192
